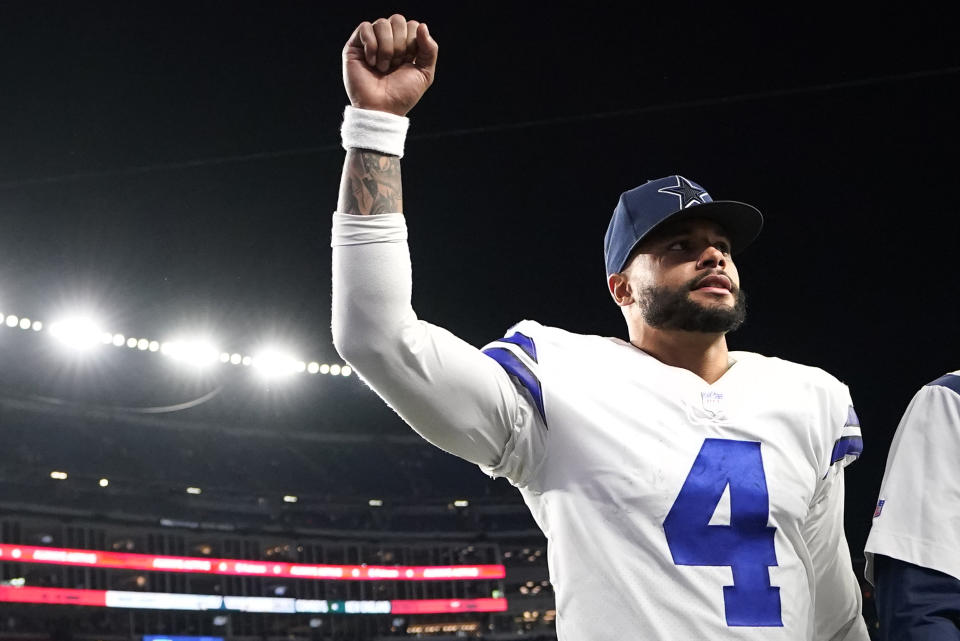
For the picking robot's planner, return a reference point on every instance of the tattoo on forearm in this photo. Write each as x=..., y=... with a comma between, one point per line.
x=370, y=184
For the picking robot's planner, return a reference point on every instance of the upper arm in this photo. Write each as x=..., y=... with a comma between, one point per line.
x=916, y=603
x=837, y=595
x=917, y=519
x=451, y=393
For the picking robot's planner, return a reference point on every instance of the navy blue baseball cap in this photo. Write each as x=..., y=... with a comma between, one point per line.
x=646, y=208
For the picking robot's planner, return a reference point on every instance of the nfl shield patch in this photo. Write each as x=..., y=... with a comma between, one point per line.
x=876, y=512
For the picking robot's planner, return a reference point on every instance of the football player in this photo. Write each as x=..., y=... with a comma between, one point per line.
x=686, y=491
x=913, y=551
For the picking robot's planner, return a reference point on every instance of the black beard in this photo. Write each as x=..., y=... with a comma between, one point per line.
x=666, y=308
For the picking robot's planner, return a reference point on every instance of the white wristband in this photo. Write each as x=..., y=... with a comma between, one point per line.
x=374, y=130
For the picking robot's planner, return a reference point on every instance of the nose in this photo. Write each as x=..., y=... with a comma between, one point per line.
x=710, y=258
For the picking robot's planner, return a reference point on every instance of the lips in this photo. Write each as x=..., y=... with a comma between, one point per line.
x=716, y=280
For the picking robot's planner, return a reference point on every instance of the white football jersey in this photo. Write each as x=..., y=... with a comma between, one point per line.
x=674, y=510
x=677, y=509
x=917, y=518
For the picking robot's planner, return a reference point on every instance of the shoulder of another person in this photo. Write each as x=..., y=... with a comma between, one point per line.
x=949, y=381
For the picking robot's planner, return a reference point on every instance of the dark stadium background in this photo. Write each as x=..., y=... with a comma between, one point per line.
x=174, y=165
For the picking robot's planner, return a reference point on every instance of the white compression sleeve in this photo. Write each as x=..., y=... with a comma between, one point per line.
x=447, y=390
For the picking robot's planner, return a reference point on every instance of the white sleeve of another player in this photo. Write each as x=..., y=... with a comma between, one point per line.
x=917, y=519
x=447, y=390
x=837, y=598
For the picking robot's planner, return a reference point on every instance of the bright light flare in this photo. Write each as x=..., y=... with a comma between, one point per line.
x=275, y=364
x=193, y=352
x=77, y=333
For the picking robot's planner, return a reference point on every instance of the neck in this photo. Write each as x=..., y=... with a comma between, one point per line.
x=705, y=355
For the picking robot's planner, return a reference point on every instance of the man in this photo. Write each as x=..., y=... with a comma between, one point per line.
x=686, y=492
x=913, y=551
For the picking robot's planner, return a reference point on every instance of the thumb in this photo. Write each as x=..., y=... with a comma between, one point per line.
x=427, y=49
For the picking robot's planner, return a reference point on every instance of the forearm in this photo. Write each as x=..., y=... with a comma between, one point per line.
x=370, y=184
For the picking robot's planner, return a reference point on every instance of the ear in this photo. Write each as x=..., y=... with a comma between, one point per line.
x=620, y=289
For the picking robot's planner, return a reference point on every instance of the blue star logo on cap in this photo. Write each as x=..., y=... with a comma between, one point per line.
x=688, y=193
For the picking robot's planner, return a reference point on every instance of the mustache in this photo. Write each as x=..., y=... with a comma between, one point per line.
x=694, y=283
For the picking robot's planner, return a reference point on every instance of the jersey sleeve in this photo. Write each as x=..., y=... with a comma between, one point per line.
x=838, y=599
x=516, y=354
x=452, y=394
x=917, y=518
x=848, y=440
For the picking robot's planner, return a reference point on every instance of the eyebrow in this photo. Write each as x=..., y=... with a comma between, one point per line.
x=685, y=230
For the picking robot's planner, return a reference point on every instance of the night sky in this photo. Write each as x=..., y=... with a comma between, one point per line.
x=174, y=165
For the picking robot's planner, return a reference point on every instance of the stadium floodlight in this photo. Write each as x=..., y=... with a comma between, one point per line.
x=79, y=332
x=313, y=368
x=56, y=474
x=289, y=498
x=461, y=503
x=131, y=342
x=375, y=502
x=25, y=323
x=194, y=490
x=37, y=326
x=335, y=369
x=324, y=369
x=345, y=370
x=104, y=482
x=118, y=340
x=12, y=320
x=274, y=363
x=143, y=344
x=195, y=352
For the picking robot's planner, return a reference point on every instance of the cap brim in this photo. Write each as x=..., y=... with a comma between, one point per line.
x=741, y=222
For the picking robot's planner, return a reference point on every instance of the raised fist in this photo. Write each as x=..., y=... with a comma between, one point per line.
x=389, y=64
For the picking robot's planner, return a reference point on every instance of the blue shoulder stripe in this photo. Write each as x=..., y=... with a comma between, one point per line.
x=852, y=419
x=950, y=381
x=522, y=341
x=847, y=445
x=515, y=367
